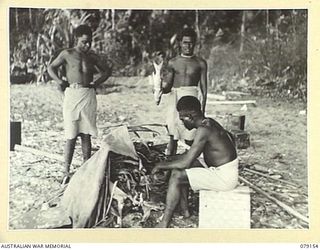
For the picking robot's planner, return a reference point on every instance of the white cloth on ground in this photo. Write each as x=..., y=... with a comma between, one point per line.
x=88, y=185
x=222, y=178
x=175, y=126
x=79, y=112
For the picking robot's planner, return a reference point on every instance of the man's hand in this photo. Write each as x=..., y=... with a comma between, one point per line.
x=93, y=85
x=159, y=166
x=63, y=85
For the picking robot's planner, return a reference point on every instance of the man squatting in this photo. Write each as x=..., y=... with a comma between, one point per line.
x=80, y=103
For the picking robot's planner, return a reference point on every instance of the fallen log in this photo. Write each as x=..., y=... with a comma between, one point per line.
x=290, y=210
x=216, y=97
x=253, y=102
x=236, y=93
x=45, y=154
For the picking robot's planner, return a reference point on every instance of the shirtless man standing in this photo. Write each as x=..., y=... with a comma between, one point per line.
x=80, y=104
x=219, y=155
x=185, y=73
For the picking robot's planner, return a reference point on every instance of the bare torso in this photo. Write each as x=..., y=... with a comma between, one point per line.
x=186, y=71
x=219, y=148
x=79, y=67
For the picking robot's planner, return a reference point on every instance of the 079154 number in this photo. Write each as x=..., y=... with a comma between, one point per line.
x=309, y=246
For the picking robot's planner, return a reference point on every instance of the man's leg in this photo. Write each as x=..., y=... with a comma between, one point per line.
x=177, y=179
x=68, y=154
x=184, y=210
x=86, y=146
x=172, y=146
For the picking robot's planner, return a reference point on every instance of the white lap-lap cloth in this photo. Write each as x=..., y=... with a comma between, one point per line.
x=175, y=125
x=222, y=178
x=79, y=112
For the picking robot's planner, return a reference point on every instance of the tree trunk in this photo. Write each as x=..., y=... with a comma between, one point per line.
x=267, y=22
x=17, y=19
x=277, y=23
x=198, y=29
x=30, y=17
x=113, y=13
x=243, y=28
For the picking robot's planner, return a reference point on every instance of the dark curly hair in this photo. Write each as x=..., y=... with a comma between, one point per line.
x=83, y=30
x=187, y=32
x=189, y=103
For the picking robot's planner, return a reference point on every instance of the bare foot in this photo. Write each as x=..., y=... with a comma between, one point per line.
x=162, y=224
x=185, y=213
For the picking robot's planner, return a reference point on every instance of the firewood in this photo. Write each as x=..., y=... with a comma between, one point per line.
x=271, y=177
x=279, y=203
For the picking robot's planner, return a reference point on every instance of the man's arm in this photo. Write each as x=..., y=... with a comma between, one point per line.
x=187, y=160
x=203, y=84
x=53, y=67
x=104, y=71
x=168, y=78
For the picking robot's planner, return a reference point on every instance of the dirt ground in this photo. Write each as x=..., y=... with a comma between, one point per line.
x=278, y=136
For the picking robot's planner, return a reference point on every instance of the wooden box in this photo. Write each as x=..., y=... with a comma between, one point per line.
x=242, y=138
x=227, y=210
x=15, y=134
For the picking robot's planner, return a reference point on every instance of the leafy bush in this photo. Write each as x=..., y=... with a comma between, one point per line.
x=272, y=64
x=273, y=60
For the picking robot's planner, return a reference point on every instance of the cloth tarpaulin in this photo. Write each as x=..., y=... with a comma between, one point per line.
x=89, y=185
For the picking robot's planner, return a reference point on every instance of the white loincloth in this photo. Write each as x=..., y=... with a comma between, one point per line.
x=176, y=127
x=79, y=112
x=222, y=178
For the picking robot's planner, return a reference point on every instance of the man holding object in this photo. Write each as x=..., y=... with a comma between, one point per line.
x=187, y=75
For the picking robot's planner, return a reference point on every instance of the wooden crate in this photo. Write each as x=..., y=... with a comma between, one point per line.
x=235, y=122
x=15, y=134
x=229, y=209
x=242, y=138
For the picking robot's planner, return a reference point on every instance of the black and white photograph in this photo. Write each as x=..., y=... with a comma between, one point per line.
x=104, y=133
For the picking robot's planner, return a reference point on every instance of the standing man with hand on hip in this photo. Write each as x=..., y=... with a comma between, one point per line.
x=187, y=74
x=80, y=103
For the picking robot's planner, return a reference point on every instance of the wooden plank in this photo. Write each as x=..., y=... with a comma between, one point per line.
x=216, y=97
x=236, y=93
x=253, y=102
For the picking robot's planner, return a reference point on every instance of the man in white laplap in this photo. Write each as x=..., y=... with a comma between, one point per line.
x=217, y=170
x=186, y=74
x=80, y=104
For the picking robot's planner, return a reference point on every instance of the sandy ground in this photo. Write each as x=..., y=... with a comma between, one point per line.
x=278, y=134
